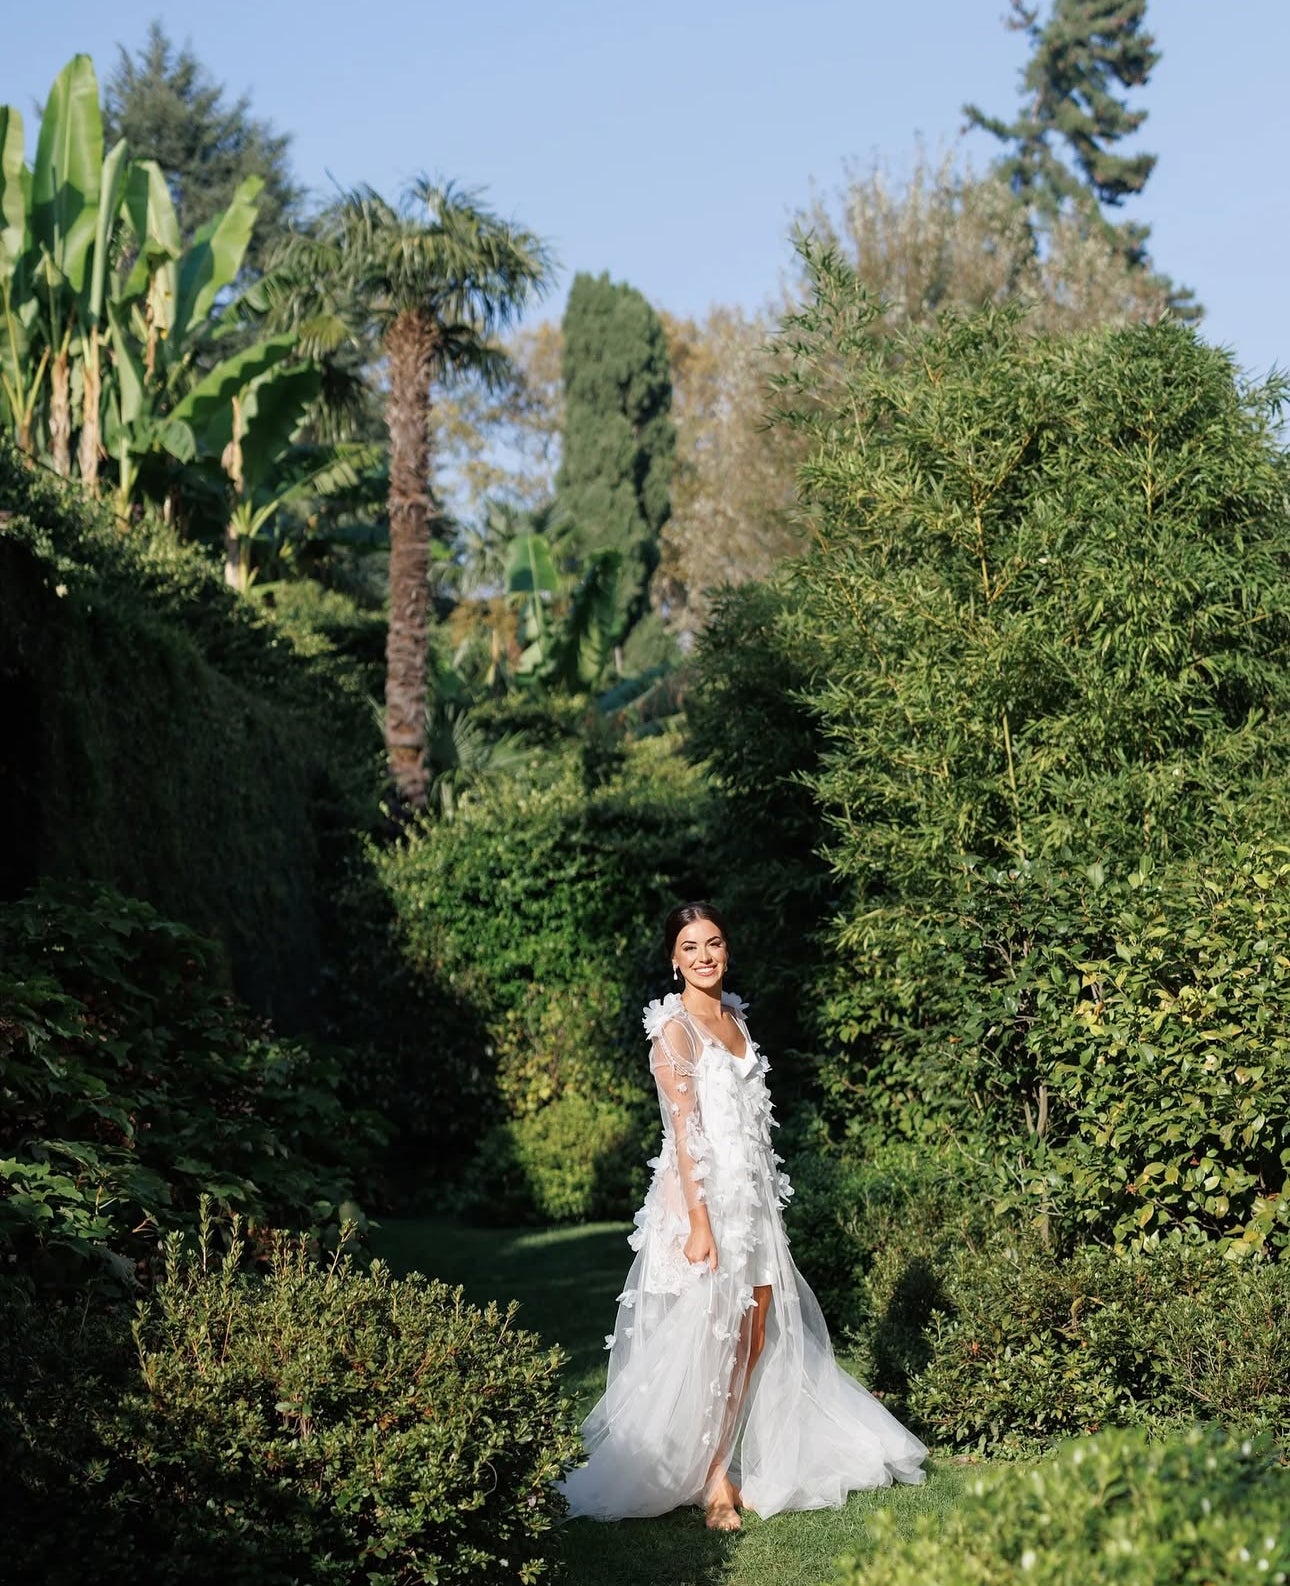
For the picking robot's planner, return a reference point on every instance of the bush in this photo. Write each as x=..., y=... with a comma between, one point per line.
x=990, y=1340
x=876, y=1234
x=1116, y=1043
x=572, y=1161
x=1028, y=1346
x=537, y=912
x=317, y=1424
x=132, y=1084
x=1116, y=1509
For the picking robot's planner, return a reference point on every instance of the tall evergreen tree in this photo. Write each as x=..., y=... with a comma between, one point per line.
x=167, y=106
x=1083, y=53
x=613, y=486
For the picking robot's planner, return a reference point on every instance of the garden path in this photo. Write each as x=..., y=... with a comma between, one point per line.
x=565, y=1280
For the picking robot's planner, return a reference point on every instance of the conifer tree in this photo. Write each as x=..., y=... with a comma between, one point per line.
x=1082, y=54
x=618, y=438
x=168, y=107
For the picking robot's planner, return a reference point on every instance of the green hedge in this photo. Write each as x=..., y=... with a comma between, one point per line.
x=168, y=738
x=1115, y=1510
x=1028, y=1346
x=574, y=1160
x=315, y=1424
x=1114, y=1042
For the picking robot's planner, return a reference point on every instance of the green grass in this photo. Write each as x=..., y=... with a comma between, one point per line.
x=565, y=1280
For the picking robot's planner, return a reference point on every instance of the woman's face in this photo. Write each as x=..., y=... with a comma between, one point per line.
x=701, y=955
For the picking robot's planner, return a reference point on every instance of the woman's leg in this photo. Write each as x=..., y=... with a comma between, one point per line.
x=724, y=1500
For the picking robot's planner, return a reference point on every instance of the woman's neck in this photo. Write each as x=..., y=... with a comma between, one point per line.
x=703, y=1003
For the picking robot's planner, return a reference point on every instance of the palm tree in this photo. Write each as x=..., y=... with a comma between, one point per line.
x=435, y=278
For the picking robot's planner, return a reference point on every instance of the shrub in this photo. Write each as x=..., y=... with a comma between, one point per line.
x=1117, y=1042
x=877, y=1231
x=132, y=1084
x=537, y=911
x=1029, y=1345
x=571, y=1161
x=319, y=1424
x=1117, y=1509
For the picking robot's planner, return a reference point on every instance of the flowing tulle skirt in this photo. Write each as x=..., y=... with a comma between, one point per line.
x=800, y=1434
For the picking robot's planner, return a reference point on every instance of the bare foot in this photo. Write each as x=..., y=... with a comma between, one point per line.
x=721, y=1515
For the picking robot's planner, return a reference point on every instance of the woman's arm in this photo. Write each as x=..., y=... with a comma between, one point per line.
x=674, y=1061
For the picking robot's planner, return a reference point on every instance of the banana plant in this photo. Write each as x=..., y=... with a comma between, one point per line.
x=75, y=204
x=22, y=369
x=166, y=321
x=531, y=575
x=582, y=646
x=268, y=470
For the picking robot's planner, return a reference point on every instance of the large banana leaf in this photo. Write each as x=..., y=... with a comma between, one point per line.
x=66, y=176
x=584, y=646
x=529, y=568
x=15, y=185
x=214, y=257
x=132, y=397
x=272, y=411
x=150, y=215
x=208, y=408
x=111, y=193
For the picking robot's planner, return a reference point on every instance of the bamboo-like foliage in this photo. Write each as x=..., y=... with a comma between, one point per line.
x=1048, y=592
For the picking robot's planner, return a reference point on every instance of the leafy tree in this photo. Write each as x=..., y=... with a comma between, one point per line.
x=618, y=443
x=436, y=277
x=166, y=105
x=946, y=238
x=1049, y=578
x=735, y=486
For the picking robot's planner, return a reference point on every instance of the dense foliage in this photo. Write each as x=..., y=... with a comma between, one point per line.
x=537, y=909
x=1040, y=636
x=1123, y=1038
x=315, y=1423
x=1026, y=695
x=169, y=739
x=133, y=1084
x=1117, y=1509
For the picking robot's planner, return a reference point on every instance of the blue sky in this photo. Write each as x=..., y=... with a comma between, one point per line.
x=671, y=143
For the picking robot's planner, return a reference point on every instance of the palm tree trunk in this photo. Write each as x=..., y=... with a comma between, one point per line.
x=410, y=344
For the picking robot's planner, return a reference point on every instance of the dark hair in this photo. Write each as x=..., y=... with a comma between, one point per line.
x=686, y=914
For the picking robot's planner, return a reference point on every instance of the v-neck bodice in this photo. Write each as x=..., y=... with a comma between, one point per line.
x=707, y=1038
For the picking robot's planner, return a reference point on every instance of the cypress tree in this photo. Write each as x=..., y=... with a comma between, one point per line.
x=613, y=486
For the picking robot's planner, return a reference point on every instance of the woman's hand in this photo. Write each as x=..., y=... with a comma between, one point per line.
x=701, y=1247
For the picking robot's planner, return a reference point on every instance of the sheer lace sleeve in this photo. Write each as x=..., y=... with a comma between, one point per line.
x=674, y=1056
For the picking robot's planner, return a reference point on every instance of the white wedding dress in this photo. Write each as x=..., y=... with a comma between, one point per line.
x=800, y=1434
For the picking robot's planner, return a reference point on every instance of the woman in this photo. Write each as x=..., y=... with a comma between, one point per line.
x=722, y=1386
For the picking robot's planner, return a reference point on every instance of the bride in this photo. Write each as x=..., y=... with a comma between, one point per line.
x=722, y=1388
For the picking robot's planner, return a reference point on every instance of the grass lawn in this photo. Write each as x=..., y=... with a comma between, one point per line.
x=565, y=1280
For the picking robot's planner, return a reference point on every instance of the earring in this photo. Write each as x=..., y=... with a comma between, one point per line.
x=676, y=973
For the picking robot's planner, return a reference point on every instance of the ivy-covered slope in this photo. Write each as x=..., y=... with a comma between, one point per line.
x=166, y=738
